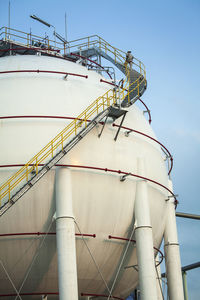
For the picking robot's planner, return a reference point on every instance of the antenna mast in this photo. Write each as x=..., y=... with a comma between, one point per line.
x=66, y=26
x=9, y=14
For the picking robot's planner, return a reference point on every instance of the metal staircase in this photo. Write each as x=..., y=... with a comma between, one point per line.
x=65, y=149
x=96, y=46
x=107, y=105
x=134, y=76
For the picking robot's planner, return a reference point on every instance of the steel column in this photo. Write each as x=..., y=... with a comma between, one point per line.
x=65, y=236
x=184, y=275
x=172, y=254
x=144, y=240
x=159, y=279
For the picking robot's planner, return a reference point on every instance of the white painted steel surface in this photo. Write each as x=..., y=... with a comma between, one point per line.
x=65, y=237
x=144, y=239
x=172, y=254
x=159, y=279
x=102, y=204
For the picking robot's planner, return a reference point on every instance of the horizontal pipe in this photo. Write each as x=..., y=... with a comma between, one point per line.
x=150, y=137
x=43, y=233
x=106, y=170
x=114, y=125
x=120, y=238
x=43, y=71
x=41, y=117
x=108, y=82
x=188, y=216
x=186, y=268
x=191, y=267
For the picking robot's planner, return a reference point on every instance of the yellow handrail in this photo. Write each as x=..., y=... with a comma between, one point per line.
x=89, y=41
x=96, y=40
x=108, y=99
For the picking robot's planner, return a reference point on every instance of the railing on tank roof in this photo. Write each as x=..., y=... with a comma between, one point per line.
x=46, y=44
x=30, y=40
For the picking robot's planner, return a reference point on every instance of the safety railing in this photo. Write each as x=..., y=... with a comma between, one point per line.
x=23, y=175
x=31, y=40
x=111, y=97
x=118, y=55
x=100, y=104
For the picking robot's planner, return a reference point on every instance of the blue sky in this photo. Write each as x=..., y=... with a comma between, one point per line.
x=165, y=36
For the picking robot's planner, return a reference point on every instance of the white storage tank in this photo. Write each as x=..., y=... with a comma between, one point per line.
x=102, y=204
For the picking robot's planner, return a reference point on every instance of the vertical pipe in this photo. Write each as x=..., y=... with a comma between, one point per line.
x=65, y=236
x=172, y=254
x=184, y=274
x=159, y=280
x=144, y=240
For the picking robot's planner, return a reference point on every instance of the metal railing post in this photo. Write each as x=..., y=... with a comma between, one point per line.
x=138, y=88
x=9, y=191
x=26, y=173
x=140, y=67
x=75, y=126
x=36, y=166
x=62, y=141
x=99, y=42
x=52, y=148
x=6, y=33
x=85, y=120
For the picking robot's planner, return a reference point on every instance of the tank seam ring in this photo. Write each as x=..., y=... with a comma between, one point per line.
x=65, y=217
x=105, y=170
x=171, y=244
x=138, y=227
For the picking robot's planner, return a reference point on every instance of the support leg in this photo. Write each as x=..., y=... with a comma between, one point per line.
x=65, y=236
x=144, y=240
x=184, y=275
x=172, y=254
x=159, y=280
